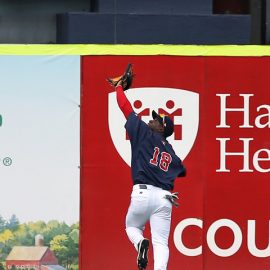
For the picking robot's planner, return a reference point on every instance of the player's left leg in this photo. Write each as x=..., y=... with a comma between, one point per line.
x=142, y=258
x=160, y=223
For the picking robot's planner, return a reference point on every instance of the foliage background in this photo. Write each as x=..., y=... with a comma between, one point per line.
x=61, y=238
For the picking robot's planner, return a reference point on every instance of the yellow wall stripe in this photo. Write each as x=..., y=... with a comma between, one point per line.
x=95, y=49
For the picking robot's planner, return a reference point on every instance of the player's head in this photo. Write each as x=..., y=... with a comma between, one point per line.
x=165, y=122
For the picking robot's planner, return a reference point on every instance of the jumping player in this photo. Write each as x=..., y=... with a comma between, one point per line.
x=154, y=168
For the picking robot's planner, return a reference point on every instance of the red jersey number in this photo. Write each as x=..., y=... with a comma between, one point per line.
x=165, y=159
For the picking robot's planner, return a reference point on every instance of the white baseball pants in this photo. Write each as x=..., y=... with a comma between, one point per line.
x=150, y=205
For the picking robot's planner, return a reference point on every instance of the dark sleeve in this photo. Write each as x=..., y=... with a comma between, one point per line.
x=136, y=128
x=183, y=171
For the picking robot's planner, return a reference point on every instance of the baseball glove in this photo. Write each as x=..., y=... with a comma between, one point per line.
x=125, y=80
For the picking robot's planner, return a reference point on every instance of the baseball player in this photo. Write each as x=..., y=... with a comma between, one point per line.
x=154, y=168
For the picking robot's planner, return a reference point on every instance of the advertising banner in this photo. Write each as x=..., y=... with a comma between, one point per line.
x=220, y=106
x=39, y=161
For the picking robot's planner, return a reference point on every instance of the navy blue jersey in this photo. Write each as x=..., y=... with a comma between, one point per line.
x=153, y=160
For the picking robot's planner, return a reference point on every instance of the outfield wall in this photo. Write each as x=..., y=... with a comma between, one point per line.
x=219, y=99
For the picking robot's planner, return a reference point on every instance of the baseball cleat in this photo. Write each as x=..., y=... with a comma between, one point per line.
x=142, y=259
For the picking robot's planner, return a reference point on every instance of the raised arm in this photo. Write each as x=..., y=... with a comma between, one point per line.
x=121, y=84
x=122, y=101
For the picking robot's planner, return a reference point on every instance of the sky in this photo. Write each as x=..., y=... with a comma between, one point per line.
x=39, y=138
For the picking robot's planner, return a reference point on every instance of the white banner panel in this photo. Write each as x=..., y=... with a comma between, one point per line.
x=39, y=138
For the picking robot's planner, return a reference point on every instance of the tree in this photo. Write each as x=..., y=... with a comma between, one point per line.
x=73, y=248
x=6, y=236
x=59, y=245
x=37, y=227
x=2, y=266
x=74, y=235
x=2, y=224
x=55, y=228
x=13, y=223
x=75, y=226
x=34, y=228
x=23, y=236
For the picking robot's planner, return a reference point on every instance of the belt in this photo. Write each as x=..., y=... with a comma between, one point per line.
x=141, y=186
x=145, y=186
